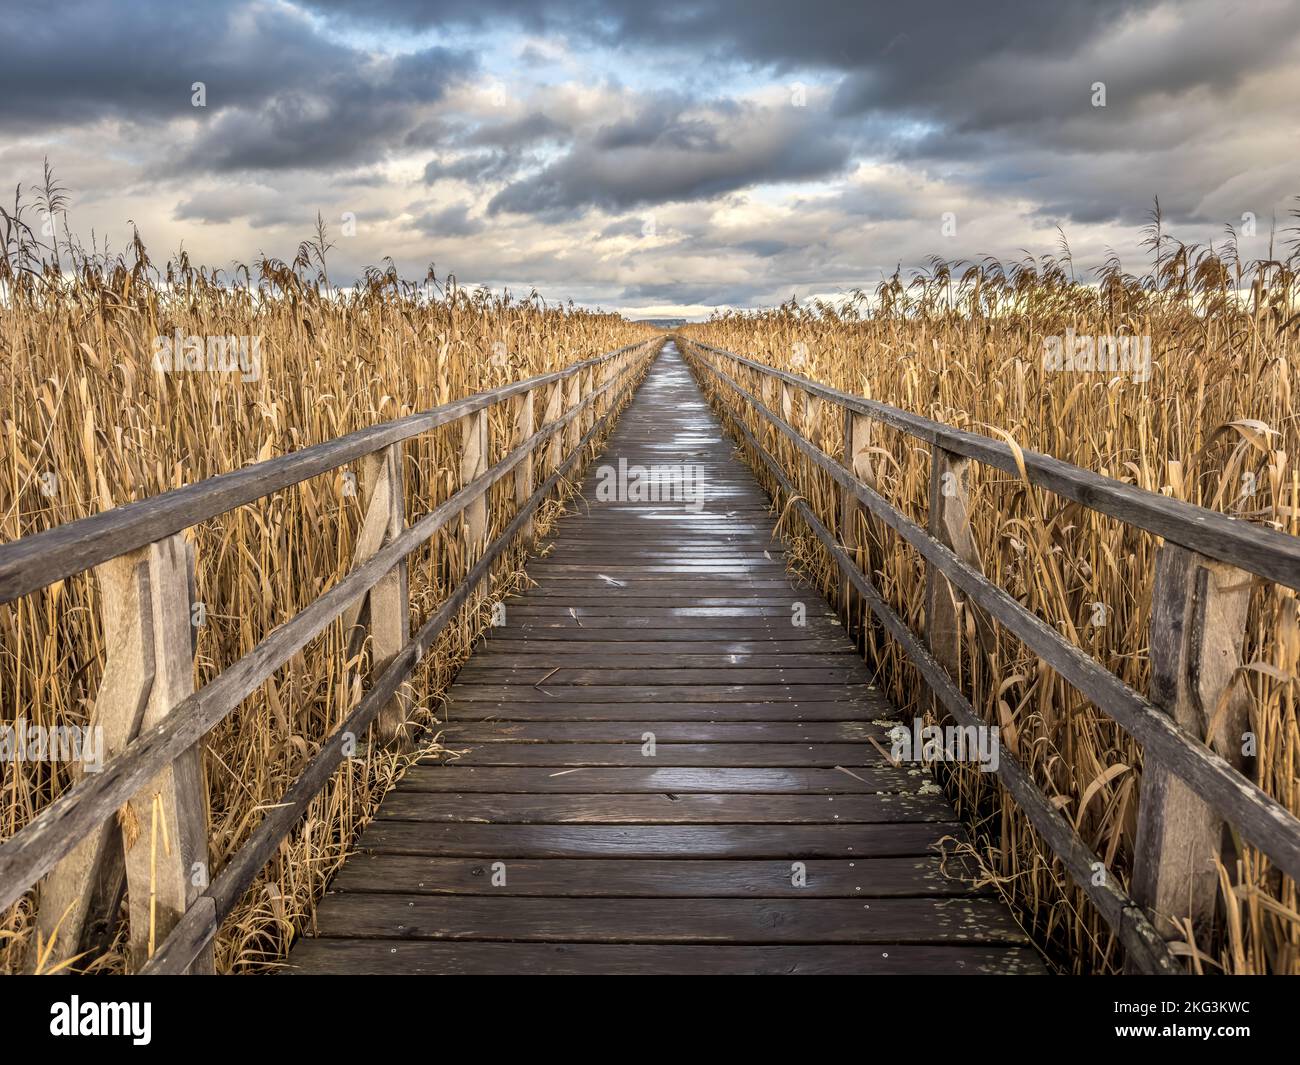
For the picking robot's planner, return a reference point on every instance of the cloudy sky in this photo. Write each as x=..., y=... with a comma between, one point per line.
x=662, y=158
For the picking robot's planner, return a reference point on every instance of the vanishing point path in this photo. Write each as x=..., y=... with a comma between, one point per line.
x=656, y=771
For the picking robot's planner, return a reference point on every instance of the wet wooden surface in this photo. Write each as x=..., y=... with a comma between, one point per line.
x=651, y=768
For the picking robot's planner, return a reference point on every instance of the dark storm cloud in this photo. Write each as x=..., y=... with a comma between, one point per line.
x=670, y=153
x=970, y=66
x=278, y=93
x=348, y=116
x=946, y=76
x=75, y=61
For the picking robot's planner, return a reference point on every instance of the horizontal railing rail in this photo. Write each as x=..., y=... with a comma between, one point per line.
x=1260, y=550
x=1259, y=818
x=33, y=562
x=60, y=842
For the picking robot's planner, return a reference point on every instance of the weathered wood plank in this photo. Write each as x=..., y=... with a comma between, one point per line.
x=457, y=710
x=652, y=693
x=601, y=780
x=389, y=600
x=674, y=732
x=737, y=755
x=863, y=878
x=951, y=920
x=375, y=956
x=661, y=809
x=561, y=675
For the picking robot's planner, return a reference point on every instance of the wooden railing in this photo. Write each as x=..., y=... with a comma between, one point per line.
x=153, y=719
x=1202, y=587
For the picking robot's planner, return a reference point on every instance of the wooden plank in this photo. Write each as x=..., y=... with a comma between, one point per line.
x=561, y=675
x=636, y=615
x=967, y=920
x=736, y=755
x=473, y=462
x=542, y=640
x=863, y=878
x=572, y=398
x=673, y=780
x=719, y=693
x=375, y=956
x=554, y=411
x=662, y=657
x=686, y=629
x=876, y=709
x=661, y=808
x=587, y=731
x=950, y=524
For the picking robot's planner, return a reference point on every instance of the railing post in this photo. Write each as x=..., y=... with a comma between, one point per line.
x=857, y=460
x=950, y=524
x=80, y=896
x=786, y=452
x=555, y=445
x=386, y=607
x=473, y=464
x=588, y=417
x=524, y=471
x=165, y=826
x=1198, y=627
x=573, y=431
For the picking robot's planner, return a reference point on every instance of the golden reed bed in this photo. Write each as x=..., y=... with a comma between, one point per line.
x=1211, y=418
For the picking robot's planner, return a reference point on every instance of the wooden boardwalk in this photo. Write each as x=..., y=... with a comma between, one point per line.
x=649, y=754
